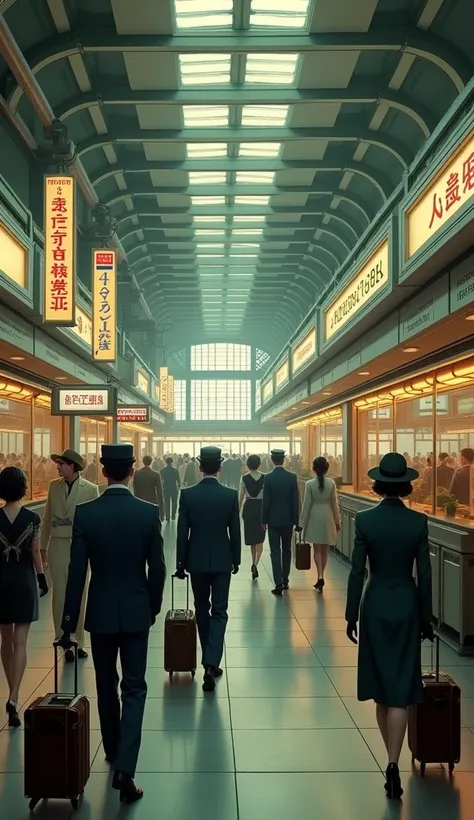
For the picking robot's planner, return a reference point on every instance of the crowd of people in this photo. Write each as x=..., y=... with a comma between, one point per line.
x=115, y=538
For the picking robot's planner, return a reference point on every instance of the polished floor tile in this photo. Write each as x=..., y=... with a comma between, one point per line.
x=289, y=713
x=250, y=657
x=375, y=743
x=280, y=682
x=266, y=639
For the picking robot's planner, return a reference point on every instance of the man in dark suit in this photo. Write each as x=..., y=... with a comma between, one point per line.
x=280, y=513
x=171, y=485
x=209, y=547
x=120, y=537
x=147, y=485
x=461, y=483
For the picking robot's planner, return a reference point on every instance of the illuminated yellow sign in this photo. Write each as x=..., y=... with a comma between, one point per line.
x=170, y=396
x=83, y=326
x=282, y=374
x=305, y=349
x=59, y=250
x=359, y=292
x=164, y=388
x=104, y=306
x=143, y=383
x=452, y=187
x=267, y=390
x=13, y=257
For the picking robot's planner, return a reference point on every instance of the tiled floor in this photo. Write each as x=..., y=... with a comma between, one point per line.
x=284, y=735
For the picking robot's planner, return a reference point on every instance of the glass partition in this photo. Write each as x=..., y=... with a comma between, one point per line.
x=49, y=437
x=93, y=433
x=15, y=438
x=455, y=451
x=375, y=438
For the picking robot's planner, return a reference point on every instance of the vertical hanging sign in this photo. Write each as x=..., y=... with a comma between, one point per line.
x=164, y=388
x=59, y=250
x=104, y=306
x=170, y=398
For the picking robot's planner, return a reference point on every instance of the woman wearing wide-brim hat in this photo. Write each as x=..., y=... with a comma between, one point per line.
x=396, y=612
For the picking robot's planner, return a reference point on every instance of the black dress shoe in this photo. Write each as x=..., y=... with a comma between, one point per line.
x=82, y=654
x=278, y=590
x=286, y=585
x=218, y=672
x=129, y=791
x=69, y=656
x=209, y=682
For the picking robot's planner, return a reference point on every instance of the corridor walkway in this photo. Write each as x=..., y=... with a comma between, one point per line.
x=284, y=736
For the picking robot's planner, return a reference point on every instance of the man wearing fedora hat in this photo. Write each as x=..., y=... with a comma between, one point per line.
x=119, y=535
x=209, y=548
x=64, y=494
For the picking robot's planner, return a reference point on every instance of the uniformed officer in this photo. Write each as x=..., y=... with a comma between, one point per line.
x=120, y=537
x=280, y=513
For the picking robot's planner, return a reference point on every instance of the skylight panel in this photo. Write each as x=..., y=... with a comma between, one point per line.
x=207, y=177
x=208, y=200
x=208, y=232
x=252, y=218
x=279, y=13
x=259, y=149
x=205, y=116
x=203, y=246
x=247, y=231
x=259, y=115
x=204, y=69
x=252, y=200
x=237, y=247
x=209, y=219
x=206, y=150
x=255, y=177
x=203, y=13
x=277, y=69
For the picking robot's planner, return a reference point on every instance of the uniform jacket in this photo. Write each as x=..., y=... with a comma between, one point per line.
x=280, y=499
x=209, y=537
x=119, y=537
x=460, y=485
x=147, y=486
x=170, y=479
x=60, y=508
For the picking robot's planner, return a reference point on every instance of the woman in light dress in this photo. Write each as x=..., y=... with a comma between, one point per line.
x=320, y=519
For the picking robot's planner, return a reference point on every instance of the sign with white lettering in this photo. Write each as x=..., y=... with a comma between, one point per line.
x=133, y=412
x=359, y=292
x=461, y=284
x=88, y=400
x=304, y=350
x=424, y=310
x=282, y=375
x=59, y=250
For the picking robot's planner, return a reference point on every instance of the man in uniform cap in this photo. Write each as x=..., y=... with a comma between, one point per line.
x=120, y=537
x=64, y=494
x=209, y=548
x=280, y=513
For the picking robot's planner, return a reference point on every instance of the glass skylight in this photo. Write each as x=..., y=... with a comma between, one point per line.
x=255, y=177
x=208, y=200
x=207, y=177
x=259, y=149
x=279, y=13
x=206, y=150
x=204, y=232
x=276, y=69
x=252, y=218
x=203, y=13
x=252, y=200
x=204, y=69
x=210, y=246
x=205, y=116
x=209, y=218
x=247, y=231
x=259, y=115
x=237, y=247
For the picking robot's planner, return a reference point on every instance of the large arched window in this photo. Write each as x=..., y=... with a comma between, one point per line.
x=221, y=356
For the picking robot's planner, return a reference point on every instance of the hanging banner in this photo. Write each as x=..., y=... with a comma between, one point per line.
x=104, y=306
x=86, y=400
x=59, y=251
x=164, y=388
x=170, y=397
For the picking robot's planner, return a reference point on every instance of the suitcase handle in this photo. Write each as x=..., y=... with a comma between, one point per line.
x=172, y=590
x=435, y=660
x=75, y=648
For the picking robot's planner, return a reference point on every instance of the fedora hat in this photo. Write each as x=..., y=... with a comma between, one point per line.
x=210, y=454
x=117, y=452
x=69, y=455
x=393, y=469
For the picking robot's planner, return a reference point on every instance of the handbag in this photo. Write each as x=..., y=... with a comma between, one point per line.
x=301, y=553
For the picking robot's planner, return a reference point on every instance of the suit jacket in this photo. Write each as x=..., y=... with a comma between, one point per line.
x=280, y=499
x=60, y=508
x=170, y=479
x=147, y=486
x=209, y=537
x=393, y=538
x=119, y=536
x=460, y=485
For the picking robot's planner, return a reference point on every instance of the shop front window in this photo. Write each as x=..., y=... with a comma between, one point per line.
x=15, y=440
x=375, y=439
x=414, y=438
x=329, y=441
x=48, y=438
x=90, y=448
x=455, y=452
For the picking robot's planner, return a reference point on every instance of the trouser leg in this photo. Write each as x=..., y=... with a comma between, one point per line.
x=167, y=505
x=174, y=504
x=201, y=585
x=104, y=654
x=275, y=555
x=59, y=554
x=220, y=585
x=286, y=537
x=133, y=656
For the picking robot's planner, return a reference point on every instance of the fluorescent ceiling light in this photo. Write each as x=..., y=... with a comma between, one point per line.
x=204, y=69
x=236, y=247
x=278, y=69
x=247, y=255
x=209, y=232
x=206, y=150
x=210, y=255
x=207, y=177
x=259, y=149
x=206, y=116
x=247, y=231
x=279, y=13
x=251, y=200
x=203, y=13
x=255, y=177
x=209, y=219
x=262, y=115
x=202, y=246
x=251, y=218
x=208, y=200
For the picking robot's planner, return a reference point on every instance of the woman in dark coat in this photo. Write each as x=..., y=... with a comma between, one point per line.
x=395, y=614
x=250, y=502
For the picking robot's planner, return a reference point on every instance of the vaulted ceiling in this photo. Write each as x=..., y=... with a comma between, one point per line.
x=244, y=145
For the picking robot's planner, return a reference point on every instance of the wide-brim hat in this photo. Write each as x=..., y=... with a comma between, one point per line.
x=393, y=469
x=69, y=455
x=117, y=452
x=210, y=454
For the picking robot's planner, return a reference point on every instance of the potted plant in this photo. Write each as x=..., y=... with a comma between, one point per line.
x=450, y=504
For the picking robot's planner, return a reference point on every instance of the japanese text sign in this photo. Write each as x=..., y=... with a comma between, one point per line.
x=164, y=388
x=304, y=350
x=170, y=396
x=88, y=400
x=452, y=187
x=281, y=375
x=361, y=289
x=137, y=413
x=142, y=382
x=59, y=251
x=104, y=306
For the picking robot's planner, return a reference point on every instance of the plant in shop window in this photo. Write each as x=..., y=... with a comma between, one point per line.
x=450, y=503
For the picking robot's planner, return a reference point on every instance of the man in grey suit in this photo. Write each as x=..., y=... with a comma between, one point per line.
x=147, y=485
x=120, y=537
x=209, y=548
x=280, y=514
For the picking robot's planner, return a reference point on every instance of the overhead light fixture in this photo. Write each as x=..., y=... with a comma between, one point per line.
x=203, y=14
x=17, y=358
x=60, y=378
x=411, y=349
x=204, y=69
x=363, y=373
x=469, y=317
x=327, y=392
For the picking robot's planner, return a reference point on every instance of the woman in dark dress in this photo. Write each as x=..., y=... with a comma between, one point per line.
x=21, y=571
x=251, y=495
x=396, y=612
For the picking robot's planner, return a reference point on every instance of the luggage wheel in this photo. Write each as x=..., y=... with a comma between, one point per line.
x=451, y=767
x=171, y=675
x=33, y=803
x=74, y=803
x=422, y=768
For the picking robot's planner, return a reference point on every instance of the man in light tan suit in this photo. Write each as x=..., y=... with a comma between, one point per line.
x=64, y=494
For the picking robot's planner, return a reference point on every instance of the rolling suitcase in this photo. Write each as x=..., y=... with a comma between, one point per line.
x=57, y=744
x=434, y=727
x=180, y=637
x=302, y=553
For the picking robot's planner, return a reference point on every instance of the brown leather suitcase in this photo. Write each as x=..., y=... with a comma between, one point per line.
x=434, y=727
x=301, y=553
x=57, y=744
x=180, y=637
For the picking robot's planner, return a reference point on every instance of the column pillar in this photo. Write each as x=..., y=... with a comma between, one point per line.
x=347, y=443
x=115, y=431
x=74, y=433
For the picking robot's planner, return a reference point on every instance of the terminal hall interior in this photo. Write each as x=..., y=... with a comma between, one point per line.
x=246, y=224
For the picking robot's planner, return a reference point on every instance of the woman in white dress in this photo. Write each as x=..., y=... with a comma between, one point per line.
x=320, y=519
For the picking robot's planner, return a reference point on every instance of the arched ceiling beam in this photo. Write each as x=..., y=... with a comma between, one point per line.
x=235, y=95
x=353, y=134
x=136, y=165
x=90, y=36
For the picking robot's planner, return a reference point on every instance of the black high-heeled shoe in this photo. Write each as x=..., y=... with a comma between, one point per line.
x=393, y=786
x=13, y=717
x=254, y=571
x=319, y=585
